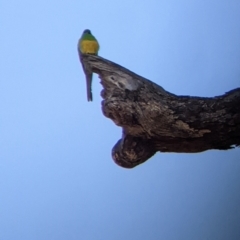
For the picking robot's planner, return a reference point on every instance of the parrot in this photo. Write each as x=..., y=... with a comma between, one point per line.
x=88, y=44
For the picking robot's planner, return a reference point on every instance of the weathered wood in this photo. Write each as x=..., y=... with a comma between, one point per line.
x=154, y=120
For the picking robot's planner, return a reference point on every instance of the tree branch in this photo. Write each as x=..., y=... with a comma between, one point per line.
x=154, y=120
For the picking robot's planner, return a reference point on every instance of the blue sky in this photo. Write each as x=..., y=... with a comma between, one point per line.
x=57, y=178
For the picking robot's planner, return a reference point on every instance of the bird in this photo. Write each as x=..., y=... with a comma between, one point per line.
x=88, y=44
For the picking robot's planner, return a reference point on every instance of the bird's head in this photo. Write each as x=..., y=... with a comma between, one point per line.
x=86, y=31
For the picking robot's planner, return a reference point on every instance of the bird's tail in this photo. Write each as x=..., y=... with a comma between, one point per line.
x=89, y=77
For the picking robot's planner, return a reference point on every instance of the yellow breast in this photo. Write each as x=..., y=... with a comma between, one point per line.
x=90, y=47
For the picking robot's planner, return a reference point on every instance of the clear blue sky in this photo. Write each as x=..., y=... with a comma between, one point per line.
x=57, y=178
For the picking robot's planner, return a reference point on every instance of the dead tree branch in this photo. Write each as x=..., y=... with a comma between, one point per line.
x=153, y=119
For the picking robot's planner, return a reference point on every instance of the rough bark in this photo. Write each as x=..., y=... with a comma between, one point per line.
x=153, y=119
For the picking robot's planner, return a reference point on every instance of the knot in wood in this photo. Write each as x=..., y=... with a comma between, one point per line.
x=123, y=83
